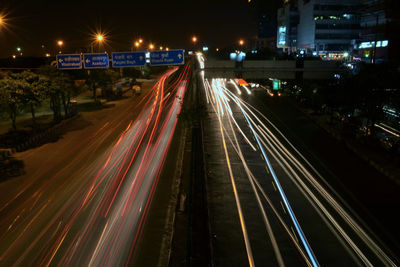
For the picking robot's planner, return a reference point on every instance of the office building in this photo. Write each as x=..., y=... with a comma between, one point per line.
x=288, y=19
x=329, y=28
x=380, y=28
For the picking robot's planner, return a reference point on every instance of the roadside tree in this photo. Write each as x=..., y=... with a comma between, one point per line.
x=33, y=91
x=60, y=89
x=12, y=99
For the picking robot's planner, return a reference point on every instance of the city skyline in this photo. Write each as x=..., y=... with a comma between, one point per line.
x=32, y=25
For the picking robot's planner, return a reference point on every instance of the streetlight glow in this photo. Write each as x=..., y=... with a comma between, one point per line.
x=140, y=40
x=60, y=43
x=194, y=39
x=3, y=21
x=99, y=39
x=151, y=46
x=137, y=44
x=241, y=42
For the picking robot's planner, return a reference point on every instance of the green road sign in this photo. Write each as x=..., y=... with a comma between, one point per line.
x=276, y=84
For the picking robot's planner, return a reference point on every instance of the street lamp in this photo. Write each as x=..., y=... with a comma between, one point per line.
x=3, y=21
x=140, y=40
x=241, y=42
x=19, y=50
x=60, y=43
x=194, y=39
x=151, y=46
x=99, y=38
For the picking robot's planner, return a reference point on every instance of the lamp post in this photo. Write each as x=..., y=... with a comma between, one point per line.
x=60, y=44
x=194, y=41
x=3, y=21
x=136, y=45
x=99, y=39
x=19, y=50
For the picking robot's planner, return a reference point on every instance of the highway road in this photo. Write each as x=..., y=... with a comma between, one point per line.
x=87, y=205
x=270, y=204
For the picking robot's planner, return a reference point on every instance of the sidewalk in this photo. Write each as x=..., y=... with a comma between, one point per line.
x=43, y=114
x=376, y=157
x=28, y=138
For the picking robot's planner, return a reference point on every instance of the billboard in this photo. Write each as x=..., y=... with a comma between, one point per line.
x=282, y=36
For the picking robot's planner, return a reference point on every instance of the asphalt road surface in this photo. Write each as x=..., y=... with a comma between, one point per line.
x=84, y=200
x=271, y=202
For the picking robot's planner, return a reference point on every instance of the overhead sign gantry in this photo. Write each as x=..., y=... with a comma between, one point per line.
x=120, y=59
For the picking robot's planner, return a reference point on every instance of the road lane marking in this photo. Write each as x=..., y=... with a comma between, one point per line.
x=98, y=244
x=273, y=184
x=283, y=207
x=55, y=251
x=294, y=233
x=266, y=168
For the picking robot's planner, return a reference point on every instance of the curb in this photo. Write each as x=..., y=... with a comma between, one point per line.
x=165, y=251
x=36, y=139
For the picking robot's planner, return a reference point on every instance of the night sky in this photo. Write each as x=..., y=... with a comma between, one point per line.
x=32, y=24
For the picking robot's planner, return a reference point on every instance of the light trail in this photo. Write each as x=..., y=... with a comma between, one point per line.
x=217, y=88
x=220, y=98
x=96, y=230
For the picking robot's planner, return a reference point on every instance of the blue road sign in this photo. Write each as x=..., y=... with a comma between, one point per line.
x=128, y=59
x=96, y=61
x=171, y=57
x=69, y=62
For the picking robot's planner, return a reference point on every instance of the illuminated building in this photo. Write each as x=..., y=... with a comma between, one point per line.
x=379, y=31
x=328, y=28
x=288, y=19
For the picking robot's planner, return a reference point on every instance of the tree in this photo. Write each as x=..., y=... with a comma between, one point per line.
x=102, y=79
x=93, y=76
x=59, y=86
x=12, y=97
x=33, y=91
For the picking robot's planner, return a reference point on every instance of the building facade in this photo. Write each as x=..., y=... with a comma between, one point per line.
x=288, y=20
x=380, y=31
x=329, y=28
x=367, y=30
